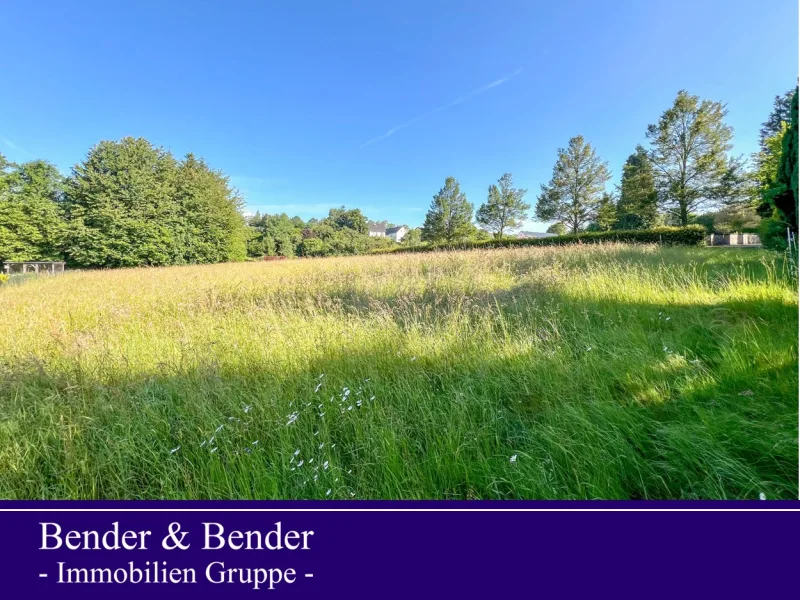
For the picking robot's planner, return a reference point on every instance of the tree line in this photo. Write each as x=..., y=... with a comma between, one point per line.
x=685, y=176
x=127, y=204
x=130, y=203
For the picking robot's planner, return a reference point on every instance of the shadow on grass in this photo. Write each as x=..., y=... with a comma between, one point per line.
x=593, y=408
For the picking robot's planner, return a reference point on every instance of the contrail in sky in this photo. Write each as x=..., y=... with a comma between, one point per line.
x=458, y=100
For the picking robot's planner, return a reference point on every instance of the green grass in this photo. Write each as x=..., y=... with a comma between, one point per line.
x=609, y=372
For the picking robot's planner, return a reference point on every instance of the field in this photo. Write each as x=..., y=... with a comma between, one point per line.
x=564, y=372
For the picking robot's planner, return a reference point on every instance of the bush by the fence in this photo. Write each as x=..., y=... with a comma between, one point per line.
x=691, y=235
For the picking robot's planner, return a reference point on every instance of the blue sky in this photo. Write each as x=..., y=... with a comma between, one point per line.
x=309, y=105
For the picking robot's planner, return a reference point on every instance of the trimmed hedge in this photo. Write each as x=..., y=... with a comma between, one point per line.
x=691, y=235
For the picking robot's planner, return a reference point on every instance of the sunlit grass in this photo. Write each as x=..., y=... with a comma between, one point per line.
x=609, y=371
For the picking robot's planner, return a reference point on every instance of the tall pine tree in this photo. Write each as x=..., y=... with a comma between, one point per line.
x=505, y=207
x=449, y=218
x=576, y=187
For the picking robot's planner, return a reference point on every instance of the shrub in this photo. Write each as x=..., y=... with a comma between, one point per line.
x=3, y=278
x=772, y=232
x=690, y=235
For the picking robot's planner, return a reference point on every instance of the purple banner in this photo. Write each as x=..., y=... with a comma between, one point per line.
x=397, y=549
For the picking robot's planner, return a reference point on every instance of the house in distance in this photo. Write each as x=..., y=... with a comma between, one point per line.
x=381, y=230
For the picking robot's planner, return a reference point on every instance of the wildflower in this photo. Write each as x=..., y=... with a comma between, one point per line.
x=352, y=494
x=588, y=348
x=762, y=496
x=366, y=380
x=413, y=358
x=319, y=385
x=293, y=469
x=321, y=376
x=321, y=445
x=300, y=464
x=333, y=446
x=325, y=465
x=211, y=441
x=350, y=471
x=316, y=433
x=296, y=452
x=310, y=460
x=292, y=418
x=668, y=318
x=316, y=477
x=255, y=443
x=322, y=414
x=358, y=402
x=248, y=408
x=174, y=450
x=204, y=443
x=513, y=459
x=214, y=450
x=219, y=428
x=372, y=397
x=328, y=493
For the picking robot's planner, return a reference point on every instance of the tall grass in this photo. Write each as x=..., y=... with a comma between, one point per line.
x=606, y=372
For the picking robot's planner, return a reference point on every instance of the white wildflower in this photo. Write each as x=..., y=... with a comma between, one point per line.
x=762, y=496
x=219, y=428
x=328, y=493
x=513, y=459
x=174, y=450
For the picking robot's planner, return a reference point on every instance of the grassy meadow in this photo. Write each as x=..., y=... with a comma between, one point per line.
x=607, y=371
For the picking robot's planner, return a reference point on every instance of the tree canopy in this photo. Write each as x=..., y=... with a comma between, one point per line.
x=505, y=207
x=637, y=207
x=449, y=218
x=576, y=187
x=689, y=154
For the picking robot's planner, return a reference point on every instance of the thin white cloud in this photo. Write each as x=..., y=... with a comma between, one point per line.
x=458, y=100
x=8, y=143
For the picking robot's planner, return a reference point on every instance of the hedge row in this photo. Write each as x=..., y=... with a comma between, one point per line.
x=691, y=235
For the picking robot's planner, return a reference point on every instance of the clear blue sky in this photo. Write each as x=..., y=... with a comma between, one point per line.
x=308, y=105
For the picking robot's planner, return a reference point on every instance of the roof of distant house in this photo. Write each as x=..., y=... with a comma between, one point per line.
x=377, y=227
x=391, y=230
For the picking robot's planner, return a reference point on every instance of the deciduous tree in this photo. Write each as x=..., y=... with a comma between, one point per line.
x=689, y=154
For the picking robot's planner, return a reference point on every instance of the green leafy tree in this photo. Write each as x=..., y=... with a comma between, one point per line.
x=413, y=237
x=505, y=207
x=606, y=216
x=341, y=218
x=637, y=207
x=557, y=228
x=211, y=214
x=576, y=187
x=449, y=218
x=122, y=209
x=31, y=220
x=689, y=154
